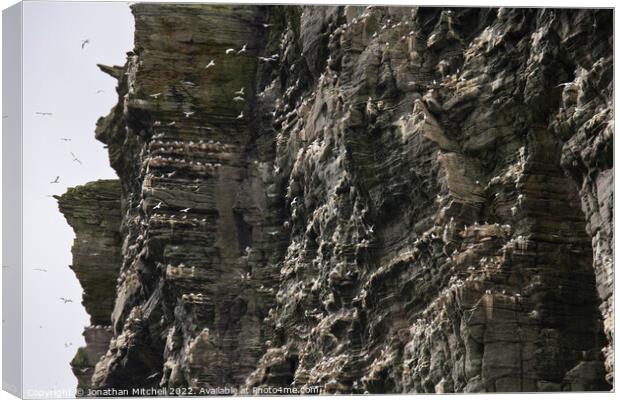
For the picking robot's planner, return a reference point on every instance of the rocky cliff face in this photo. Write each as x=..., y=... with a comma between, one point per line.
x=361, y=199
x=93, y=211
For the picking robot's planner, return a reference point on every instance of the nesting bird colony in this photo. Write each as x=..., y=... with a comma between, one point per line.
x=363, y=199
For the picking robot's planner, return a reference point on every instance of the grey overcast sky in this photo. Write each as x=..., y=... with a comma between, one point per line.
x=61, y=78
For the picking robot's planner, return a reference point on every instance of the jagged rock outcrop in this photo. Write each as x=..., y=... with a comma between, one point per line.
x=93, y=211
x=363, y=199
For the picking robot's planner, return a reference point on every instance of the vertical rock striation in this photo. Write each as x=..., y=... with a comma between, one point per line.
x=363, y=199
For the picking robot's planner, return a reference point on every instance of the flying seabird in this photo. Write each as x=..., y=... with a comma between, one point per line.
x=75, y=158
x=172, y=123
x=228, y=51
x=188, y=113
x=240, y=115
x=241, y=91
x=155, y=95
x=238, y=98
x=157, y=206
x=185, y=210
x=64, y=139
x=57, y=180
x=46, y=114
x=85, y=42
x=100, y=91
x=40, y=269
x=66, y=300
x=243, y=49
x=211, y=64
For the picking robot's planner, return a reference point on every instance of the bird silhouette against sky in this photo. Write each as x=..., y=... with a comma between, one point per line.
x=75, y=158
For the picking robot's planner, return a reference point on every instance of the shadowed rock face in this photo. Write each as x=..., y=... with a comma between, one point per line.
x=380, y=199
